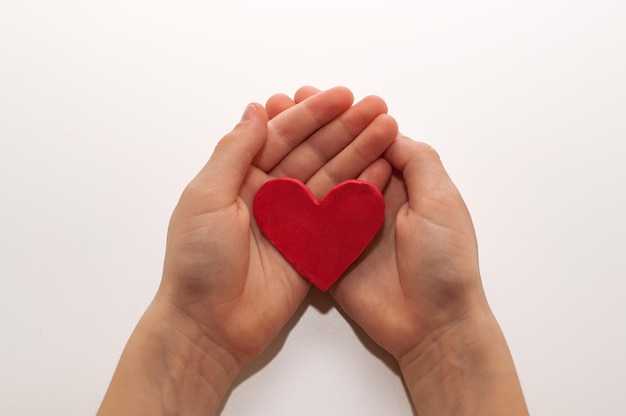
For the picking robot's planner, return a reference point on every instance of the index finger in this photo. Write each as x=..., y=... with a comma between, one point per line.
x=424, y=175
x=294, y=125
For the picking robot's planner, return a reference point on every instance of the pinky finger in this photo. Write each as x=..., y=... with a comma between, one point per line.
x=305, y=92
x=378, y=174
x=278, y=103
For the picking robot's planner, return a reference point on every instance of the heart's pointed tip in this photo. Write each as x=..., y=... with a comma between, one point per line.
x=322, y=287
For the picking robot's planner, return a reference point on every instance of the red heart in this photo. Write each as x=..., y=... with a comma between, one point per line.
x=319, y=238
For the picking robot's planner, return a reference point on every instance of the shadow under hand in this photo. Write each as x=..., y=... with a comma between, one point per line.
x=323, y=302
x=256, y=365
x=378, y=352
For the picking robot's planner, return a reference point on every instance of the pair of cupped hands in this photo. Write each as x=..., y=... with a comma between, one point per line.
x=224, y=282
x=226, y=291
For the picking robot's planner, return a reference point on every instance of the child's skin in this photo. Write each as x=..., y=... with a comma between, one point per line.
x=226, y=292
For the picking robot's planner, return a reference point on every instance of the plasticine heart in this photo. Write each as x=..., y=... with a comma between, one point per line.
x=320, y=239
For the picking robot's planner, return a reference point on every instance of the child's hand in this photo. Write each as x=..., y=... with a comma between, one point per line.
x=221, y=275
x=225, y=291
x=417, y=291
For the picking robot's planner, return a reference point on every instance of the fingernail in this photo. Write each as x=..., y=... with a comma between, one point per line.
x=248, y=113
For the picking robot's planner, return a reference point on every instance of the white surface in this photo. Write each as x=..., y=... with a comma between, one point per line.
x=107, y=109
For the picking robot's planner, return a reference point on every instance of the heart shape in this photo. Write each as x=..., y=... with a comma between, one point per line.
x=320, y=239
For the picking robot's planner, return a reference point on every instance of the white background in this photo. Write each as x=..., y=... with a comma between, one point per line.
x=108, y=109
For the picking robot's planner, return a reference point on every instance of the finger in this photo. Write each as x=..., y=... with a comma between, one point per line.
x=291, y=127
x=221, y=178
x=278, y=103
x=421, y=169
x=308, y=158
x=356, y=157
x=378, y=174
x=304, y=92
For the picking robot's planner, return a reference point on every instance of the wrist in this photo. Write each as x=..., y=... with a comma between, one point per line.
x=192, y=349
x=169, y=366
x=464, y=367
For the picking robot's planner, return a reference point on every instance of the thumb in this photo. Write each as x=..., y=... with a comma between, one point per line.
x=225, y=171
